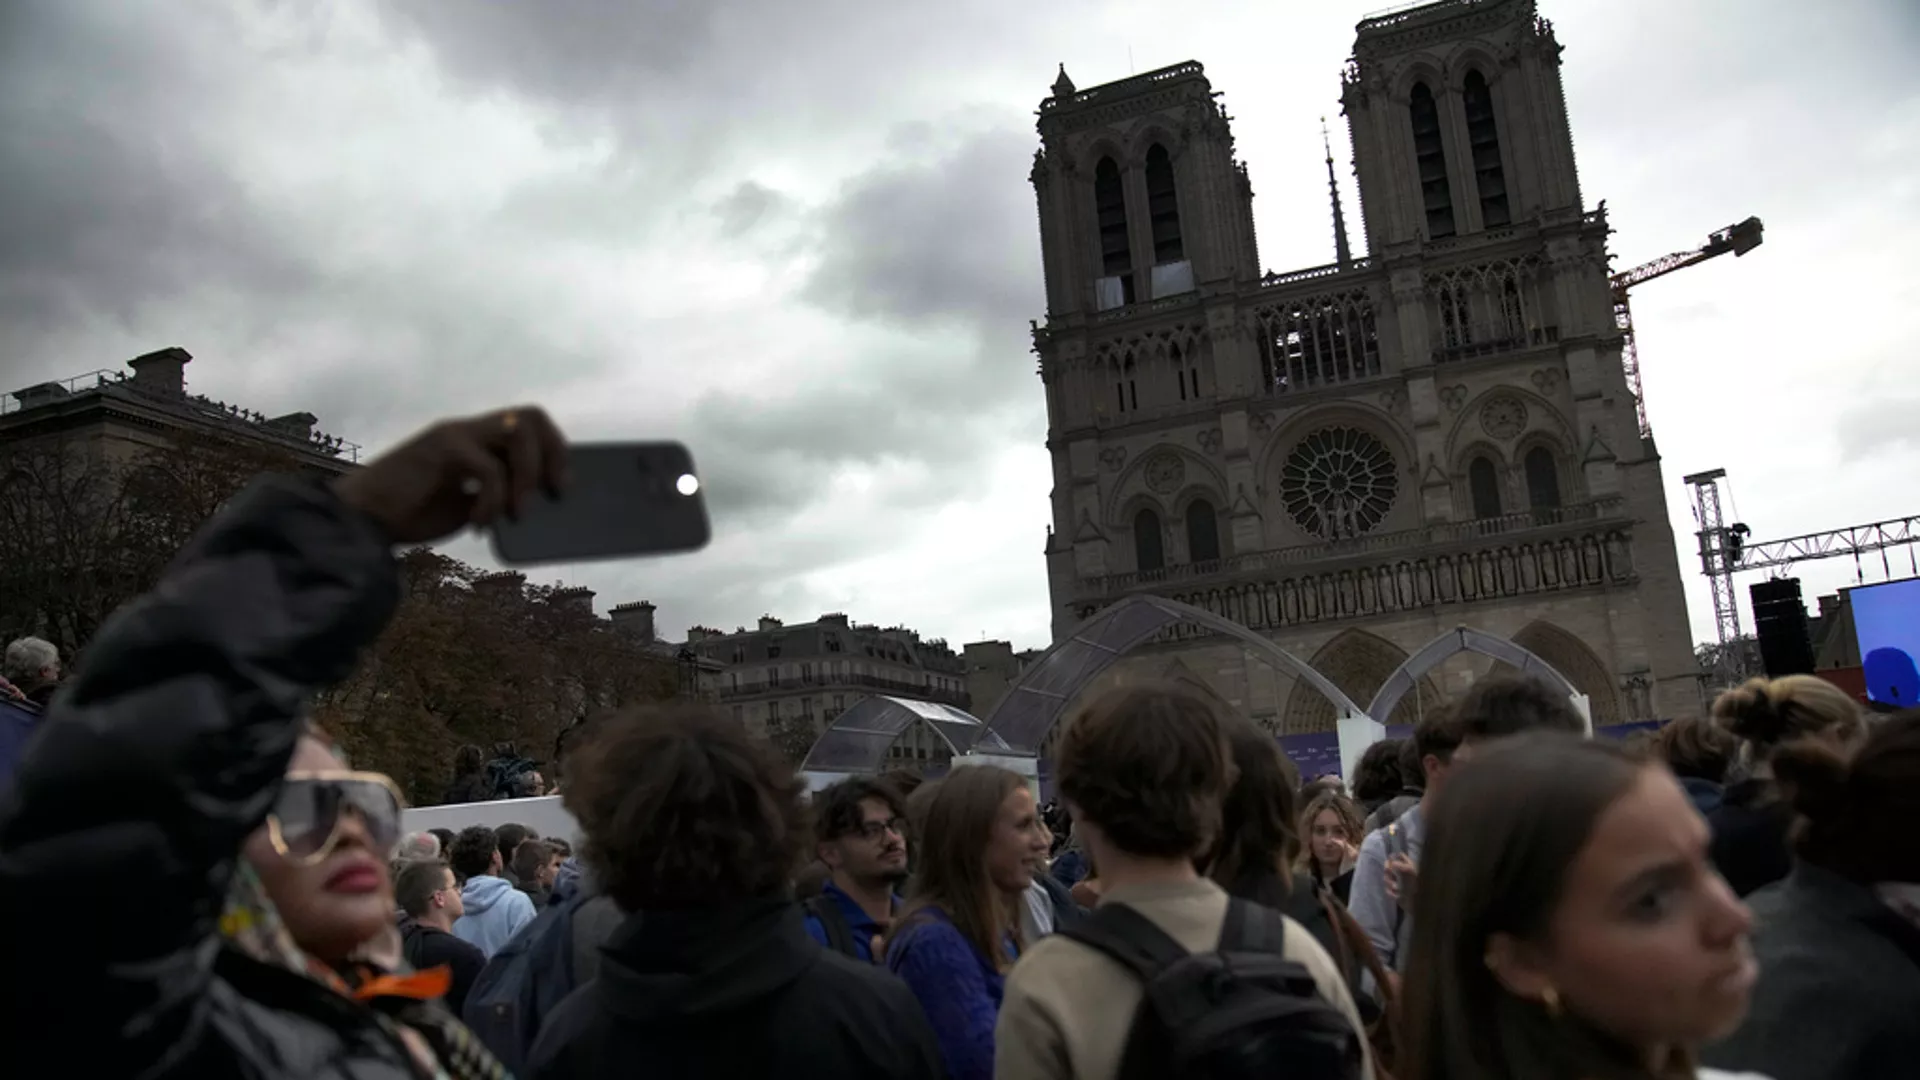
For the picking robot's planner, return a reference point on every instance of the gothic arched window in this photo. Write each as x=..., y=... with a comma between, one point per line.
x=1543, y=479
x=1430, y=158
x=1483, y=482
x=1147, y=552
x=1163, y=207
x=1110, y=203
x=1203, y=532
x=1484, y=138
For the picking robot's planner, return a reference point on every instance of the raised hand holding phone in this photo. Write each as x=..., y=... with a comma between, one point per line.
x=621, y=499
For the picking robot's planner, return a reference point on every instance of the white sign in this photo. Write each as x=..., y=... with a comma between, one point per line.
x=543, y=815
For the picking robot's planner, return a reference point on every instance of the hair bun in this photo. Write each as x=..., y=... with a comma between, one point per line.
x=1812, y=777
x=1749, y=711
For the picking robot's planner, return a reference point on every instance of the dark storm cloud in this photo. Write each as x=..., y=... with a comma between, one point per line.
x=566, y=52
x=948, y=238
x=134, y=196
x=747, y=207
x=109, y=199
x=940, y=253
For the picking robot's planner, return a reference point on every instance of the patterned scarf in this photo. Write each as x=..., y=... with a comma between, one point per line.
x=402, y=1002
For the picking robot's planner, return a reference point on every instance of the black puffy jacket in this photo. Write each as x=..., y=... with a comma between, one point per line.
x=125, y=820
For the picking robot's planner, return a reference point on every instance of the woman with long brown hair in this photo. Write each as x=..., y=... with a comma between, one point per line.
x=1571, y=926
x=1331, y=833
x=981, y=842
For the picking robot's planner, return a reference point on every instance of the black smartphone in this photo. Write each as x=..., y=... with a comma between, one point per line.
x=622, y=499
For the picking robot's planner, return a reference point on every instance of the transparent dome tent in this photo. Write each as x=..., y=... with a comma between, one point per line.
x=858, y=739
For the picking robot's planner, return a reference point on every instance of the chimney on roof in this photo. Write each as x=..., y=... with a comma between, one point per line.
x=40, y=394
x=162, y=371
x=506, y=581
x=768, y=622
x=574, y=598
x=635, y=618
x=298, y=425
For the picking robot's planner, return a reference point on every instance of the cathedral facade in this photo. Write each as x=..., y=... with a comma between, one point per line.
x=1357, y=457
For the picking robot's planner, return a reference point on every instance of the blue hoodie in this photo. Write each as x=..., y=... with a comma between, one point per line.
x=495, y=912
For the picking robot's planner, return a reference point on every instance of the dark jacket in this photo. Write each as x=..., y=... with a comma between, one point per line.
x=470, y=788
x=18, y=721
x=127, y=816
x=1839, y=990
x=734, y=991
x=1065, y=911
x=1703, y=794
x=428, y=947
x=1749, y=844
x=1300, y=899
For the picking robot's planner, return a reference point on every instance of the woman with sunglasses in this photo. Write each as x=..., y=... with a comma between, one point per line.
x=192, y=882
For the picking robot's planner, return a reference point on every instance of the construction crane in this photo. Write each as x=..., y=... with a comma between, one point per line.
x=1725, y=549
x=1738, y=239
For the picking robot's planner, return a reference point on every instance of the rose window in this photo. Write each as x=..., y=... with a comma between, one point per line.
x=1338, y=482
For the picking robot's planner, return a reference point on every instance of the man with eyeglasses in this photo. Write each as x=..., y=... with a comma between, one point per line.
x=860, y=836
x=426, y=891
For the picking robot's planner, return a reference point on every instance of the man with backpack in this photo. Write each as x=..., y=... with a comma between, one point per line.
x=860, y=836
x=1169, y=976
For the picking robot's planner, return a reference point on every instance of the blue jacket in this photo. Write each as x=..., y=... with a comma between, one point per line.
x=859, y=923
x=18, y=720
x=495, y=912
x=959, y=989
x=1704, y=794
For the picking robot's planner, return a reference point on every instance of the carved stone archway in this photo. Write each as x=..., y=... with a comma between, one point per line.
x=1360, y=663
x=1450, y=644
x=1569, y=654
x=1038, y=699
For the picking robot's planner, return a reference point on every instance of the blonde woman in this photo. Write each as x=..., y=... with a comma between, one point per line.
x=1330, y=826
x=1750, y=825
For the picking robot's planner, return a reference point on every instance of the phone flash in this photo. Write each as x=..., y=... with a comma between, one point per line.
x=687, y=484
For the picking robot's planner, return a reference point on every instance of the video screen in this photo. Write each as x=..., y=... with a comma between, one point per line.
x=1886, y=623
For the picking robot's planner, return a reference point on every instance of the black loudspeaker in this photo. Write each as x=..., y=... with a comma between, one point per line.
x=1780, y=622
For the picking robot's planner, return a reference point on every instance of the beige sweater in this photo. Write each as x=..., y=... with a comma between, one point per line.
x=1068, y=1009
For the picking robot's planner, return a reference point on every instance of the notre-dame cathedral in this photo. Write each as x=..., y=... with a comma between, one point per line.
x=1357, y=457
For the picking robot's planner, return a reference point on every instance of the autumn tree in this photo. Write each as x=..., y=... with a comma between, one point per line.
x=792, y=736
x=482, y=659
x=87, y=524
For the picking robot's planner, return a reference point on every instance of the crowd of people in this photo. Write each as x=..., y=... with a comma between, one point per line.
x=1497, y=896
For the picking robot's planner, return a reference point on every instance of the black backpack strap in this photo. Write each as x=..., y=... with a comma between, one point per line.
x=1253, y=928
x=834, y=922
x=1129, y=937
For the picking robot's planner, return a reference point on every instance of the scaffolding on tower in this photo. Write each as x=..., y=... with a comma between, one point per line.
x=1725, y=550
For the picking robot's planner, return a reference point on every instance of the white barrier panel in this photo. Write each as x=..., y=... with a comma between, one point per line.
x=1027, y=767
x=1584, y=706
x=818, y=781
x=543, y=815
x=1356, y=734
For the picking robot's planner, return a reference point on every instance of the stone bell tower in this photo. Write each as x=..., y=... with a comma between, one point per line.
x=1146, y=222
x=1354, y=459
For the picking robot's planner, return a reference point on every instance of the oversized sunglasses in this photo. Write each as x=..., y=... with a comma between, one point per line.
x=305, y=822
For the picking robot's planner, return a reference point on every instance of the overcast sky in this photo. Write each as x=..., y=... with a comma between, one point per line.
x=800, y=237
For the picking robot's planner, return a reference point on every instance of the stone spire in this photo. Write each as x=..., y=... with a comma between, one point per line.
x=1063, y=87
x=1343, y=255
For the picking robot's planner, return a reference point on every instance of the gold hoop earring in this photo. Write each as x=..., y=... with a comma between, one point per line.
x=1550, y=999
